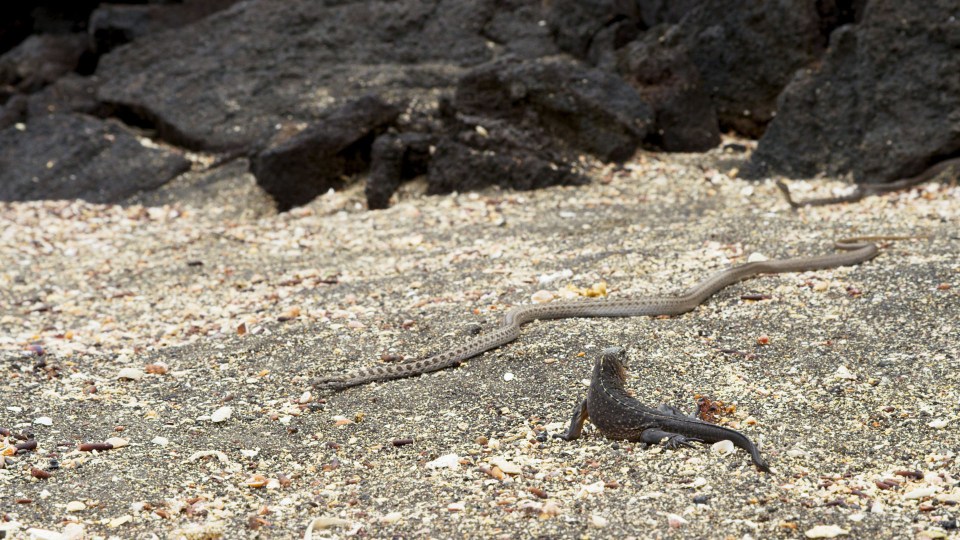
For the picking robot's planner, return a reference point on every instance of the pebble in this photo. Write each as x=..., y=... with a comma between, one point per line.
x=160, y=441
x=508, y=467
x=939, y=423
x=221, y=415
x=326, y=523
x=448, y=461
x=920, y=493
x=118, y=521
x=76, y=506
x=598, y=522
x=130, y=373
x=844, y=374
x=546, y=279
x=542, y=297
x=508, y=377
x=158, y=368
x=44, y=421
x=722, y=447
x=256, y=481
x=550, y=509
x=825, y=531
x=117, y=442
x=45, y=534
x=456, y=507
x=676, y=521
x=392, y=517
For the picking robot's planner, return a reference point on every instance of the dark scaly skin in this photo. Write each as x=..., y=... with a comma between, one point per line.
x=619, y=416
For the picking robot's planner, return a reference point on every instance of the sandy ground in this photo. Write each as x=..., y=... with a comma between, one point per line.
x=187, y=335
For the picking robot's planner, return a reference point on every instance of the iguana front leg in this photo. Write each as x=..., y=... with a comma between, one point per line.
x=576, y=423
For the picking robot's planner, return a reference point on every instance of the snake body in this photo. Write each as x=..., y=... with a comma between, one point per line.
x=864, y=190
x=852, y=251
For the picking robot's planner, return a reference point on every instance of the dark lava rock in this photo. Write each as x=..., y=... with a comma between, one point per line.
x=41, y=59
x=460, y=167
x=70, y=93
x=395, y=158
x=112, y=25
x=297, y=168
x=745, y=53
x=225, y=81
x=669, y=82
x=586, y=109
x=481, y=151
x=883, y=104
x=66, y=156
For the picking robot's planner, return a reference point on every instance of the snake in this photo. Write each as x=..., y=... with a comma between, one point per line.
x=851, y=251
x=865, y=190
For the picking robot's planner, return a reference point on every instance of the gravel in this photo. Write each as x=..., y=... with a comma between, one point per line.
x=191, y=336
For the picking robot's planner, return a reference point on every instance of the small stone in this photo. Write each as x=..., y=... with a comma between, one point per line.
x=221, y=415
x=117, y=442
x=756, y=257
x=546, y=279
x=160, y=441
x=595, y=488
x=507, y=467
x=493, y=472
x=76, y=506
x=826, y=531
x=550, y=509
x=939, y=423
x=44, y=421
x=675, y=521
x=598, y=522
x=920, y=493
x=44, y=534
x=448, y=461
x=256, y=481
x=844, y=373
x=157, y=368
x=722, y=447
x=456, y=507
x=392, y=517
x=542, y=297
x=326, y=523
x=130, y=374
x=508, y=377
x=118, y=521
x=821, y=286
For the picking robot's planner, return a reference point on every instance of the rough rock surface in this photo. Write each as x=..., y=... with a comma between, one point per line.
x=308, y=163
x=585, y=109
x=393, y=159
x=745, y=56
x=226, y=81
x=41, y=59
x=67, y=156
x=686, y=120
x=462, y=167
x=883, y=104
x=112, y=25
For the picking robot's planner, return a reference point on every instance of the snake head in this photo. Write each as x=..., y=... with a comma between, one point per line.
x=329, y=384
